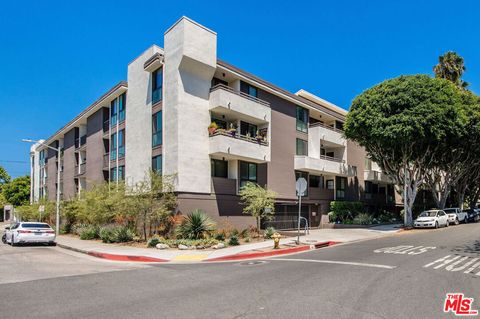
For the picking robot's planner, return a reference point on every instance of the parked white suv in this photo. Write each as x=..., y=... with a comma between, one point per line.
x=456, y=215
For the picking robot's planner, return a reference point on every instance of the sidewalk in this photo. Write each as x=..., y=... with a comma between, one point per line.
x=316, y=239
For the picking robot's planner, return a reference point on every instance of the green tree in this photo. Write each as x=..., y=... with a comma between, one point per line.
x=256, y=199
x=401, y=123
x=17, y=192
x=4, y=177
x=154, y=202
x=451, y=67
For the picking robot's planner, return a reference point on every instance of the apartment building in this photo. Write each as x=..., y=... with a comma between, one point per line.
x=160, y=117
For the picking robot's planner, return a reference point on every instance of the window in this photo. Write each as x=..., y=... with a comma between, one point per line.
x=157, y=164
x=113, y=146
x=113, y=112
x=122, y=101
x=299, y=174
x=302, y=119
x=113, y=174
x=121, y=173
x=219, y=168
x=248, y=129
x=330, y=184
x=121, y=143
x=302, y=147
x=157, y=129
x=157, y=84
x=368, y=164
x=248, y=89
x=216, y=81
x=316, y=181
x=341, y=186
x=339, y=125
x=117, y=173
x=248, y=173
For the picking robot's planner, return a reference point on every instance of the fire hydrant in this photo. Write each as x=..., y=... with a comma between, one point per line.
x=276, y=240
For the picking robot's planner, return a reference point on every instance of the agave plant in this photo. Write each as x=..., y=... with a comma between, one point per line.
x=196, y=225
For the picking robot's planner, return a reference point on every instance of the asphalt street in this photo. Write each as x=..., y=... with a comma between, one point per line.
x=406, y=275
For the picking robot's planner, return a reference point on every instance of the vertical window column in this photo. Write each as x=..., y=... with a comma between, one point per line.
x=157, y=129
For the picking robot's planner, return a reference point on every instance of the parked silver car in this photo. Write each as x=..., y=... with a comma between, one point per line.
x=29, y=232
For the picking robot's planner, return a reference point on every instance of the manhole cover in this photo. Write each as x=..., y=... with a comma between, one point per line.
x=252, y=263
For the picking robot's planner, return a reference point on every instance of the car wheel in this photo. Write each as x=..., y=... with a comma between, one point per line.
x=12, y=241
x=52, y=244
x=447, y=223
x=4, y=238
x=436, y=224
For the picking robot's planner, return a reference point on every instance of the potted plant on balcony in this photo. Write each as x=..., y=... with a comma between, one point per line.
x=232, y=130
x=260, y=138
x=212, y=128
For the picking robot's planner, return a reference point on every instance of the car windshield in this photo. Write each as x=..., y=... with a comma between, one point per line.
x=428, y=214
x=35, y=226
x=449, y=210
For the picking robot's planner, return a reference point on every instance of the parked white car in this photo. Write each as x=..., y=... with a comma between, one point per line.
x=29, y=232
x=431, y=218
x=456, y=215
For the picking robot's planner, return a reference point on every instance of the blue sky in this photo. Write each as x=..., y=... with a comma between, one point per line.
x=59, y=56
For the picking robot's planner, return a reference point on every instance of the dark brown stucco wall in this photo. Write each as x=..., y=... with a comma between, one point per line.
x=95, y=148
x=69, y=190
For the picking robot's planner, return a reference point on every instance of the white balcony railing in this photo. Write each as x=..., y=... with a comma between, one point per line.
x=376, y=176
x=224, y=99
x=323, y=165
x=320, y=132
x=235, y=146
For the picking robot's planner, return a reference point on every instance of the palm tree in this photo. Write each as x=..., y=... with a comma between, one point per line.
x=451, y=67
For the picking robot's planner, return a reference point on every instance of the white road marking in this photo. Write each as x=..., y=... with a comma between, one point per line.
x=455, y=264
x=336, y=262
x=402, y=250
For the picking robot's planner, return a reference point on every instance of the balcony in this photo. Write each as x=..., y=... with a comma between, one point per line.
x=323, y=165
x=325, y=133
x=224, y=186
x=80, y=142
x=106, y=127
x=106, y=160
x=376, y=176
x=235, y=146
x=227, y=101
x=80, y=169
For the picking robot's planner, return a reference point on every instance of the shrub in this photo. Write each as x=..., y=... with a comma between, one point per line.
x=208, y=242
x=233, y=241
x=363, y=219
x=247, y=239
x=196, y=225
x=152, y=242
x=245, y=233
x=269, y=232
x=344, y=210
x=116, y=234
x=220, y=236
x=234, y=232
x=89, y=232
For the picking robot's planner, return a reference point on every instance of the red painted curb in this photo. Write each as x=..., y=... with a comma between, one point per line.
x=261, y=254
x=125, y=257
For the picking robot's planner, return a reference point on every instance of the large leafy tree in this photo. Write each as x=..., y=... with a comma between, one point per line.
x=451, y=66
x=256, y=199
x=17, y=192
x=4, y=177
x=401, y=123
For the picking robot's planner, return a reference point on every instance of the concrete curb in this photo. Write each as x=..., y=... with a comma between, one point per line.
x=235, y=257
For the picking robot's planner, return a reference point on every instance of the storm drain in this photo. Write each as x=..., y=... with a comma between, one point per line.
x=252, y=263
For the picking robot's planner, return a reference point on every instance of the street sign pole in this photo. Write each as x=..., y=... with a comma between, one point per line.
x=301, y=186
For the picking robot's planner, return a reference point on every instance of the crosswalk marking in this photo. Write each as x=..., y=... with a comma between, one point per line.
x=405, y=249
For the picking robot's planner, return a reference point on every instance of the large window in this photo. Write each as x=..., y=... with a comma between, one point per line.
x=157, y=129
x=248, y=129
x=298, y=175
x=316, y=181
x=219, y=168
x=302, y=147
x=121, y=143
x=157, y=164
x=248, y=89
x=157, y=84
x=122, y=103
x=113, y=112
x=117, y=174
x=302, y=119
x=341, y=186
x=248, y=173
x=113, y=146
